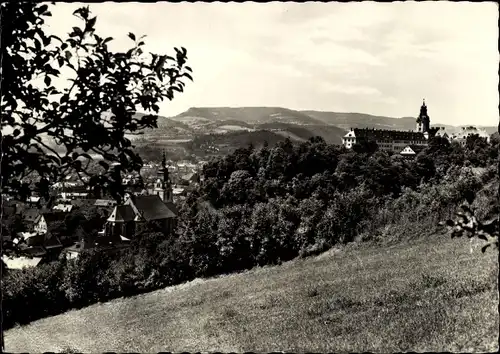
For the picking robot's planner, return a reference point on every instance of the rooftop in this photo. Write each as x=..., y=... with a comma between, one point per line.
x=380, y=134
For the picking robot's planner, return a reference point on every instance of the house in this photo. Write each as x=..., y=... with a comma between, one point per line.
x=105, y=203
x=33, y=201
x=461, y=137
x=49, y=221
x=394, y=140
x=21, y=262
x=29, y=217
x=100, y=242
x=191, y=177
x=64, y=208
x=410, y=151
x=442, y=133
x=34, y=249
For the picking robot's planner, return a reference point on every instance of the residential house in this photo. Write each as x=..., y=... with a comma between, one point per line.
x=29, y=217
x=34, y=249
x=63, y=207
x=21, y=262
x=443, y=133
x=461, y=137
x=49, y=221
x=410, y=151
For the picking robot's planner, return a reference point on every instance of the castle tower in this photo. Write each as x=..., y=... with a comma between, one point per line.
x=163, y=185
x=423, y=120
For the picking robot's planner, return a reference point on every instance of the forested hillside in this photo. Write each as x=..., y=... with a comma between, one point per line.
x=267, y=205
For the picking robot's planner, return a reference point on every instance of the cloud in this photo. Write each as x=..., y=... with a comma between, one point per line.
x=378, y=58
x=350, y=90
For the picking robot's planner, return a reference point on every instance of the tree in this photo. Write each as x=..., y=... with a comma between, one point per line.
x=91, y=115
x=365, y=146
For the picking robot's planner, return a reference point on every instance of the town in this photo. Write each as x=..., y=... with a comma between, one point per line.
x=42, y=236
x=40, y=223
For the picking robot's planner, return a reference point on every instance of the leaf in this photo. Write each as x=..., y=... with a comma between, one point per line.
x=107, y=40
x=131, y=36
x=68, y=55
x=77, y=30
x=45, y=40
x=91, y=22
x=47, y=80
x=188, y=76
x=38, y=46
x=42, y=9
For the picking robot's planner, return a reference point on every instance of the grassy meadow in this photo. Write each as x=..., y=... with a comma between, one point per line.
x=431, y=294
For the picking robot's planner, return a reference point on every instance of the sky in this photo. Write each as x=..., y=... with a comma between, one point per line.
x=375, y=58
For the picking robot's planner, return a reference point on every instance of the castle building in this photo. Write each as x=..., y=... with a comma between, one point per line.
x=394, y=140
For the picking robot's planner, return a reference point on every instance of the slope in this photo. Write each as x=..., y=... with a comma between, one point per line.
x=250, y=115
x=428, y=295
x=331, y=133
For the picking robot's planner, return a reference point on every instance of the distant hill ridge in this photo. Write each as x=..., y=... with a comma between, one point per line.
x=266, y=115
x=249, y=115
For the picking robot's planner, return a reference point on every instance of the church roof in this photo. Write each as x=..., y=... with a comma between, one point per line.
x=122, y=213
x=151, y=207
x=172, y=207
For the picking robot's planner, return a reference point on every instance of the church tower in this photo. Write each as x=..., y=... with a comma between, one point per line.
x=163, y=185
x=423, y=120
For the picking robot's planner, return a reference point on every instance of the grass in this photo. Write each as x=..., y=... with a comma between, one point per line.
x=427, y=295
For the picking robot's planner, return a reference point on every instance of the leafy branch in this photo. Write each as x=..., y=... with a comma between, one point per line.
x=94, y=114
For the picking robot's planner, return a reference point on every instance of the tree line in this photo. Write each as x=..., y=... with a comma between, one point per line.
x=266, y=206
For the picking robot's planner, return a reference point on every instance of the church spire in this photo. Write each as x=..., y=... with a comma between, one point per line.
x=164, y=160
x=423, y=120
x=164, y=185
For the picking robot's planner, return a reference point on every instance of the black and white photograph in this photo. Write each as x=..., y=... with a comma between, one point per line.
x=289, y=177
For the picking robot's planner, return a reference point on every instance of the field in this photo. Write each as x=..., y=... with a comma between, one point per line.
x=432, y=294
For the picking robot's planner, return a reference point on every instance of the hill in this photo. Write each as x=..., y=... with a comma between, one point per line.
x=331, y=134
x=361, y=120
x=225, y=143
x=427, y=295
x=253, y=115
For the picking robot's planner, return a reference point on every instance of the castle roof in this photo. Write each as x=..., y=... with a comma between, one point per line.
x=380, y=134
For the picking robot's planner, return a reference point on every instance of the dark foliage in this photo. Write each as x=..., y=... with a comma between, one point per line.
x=91, y=115
x=258, y=207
